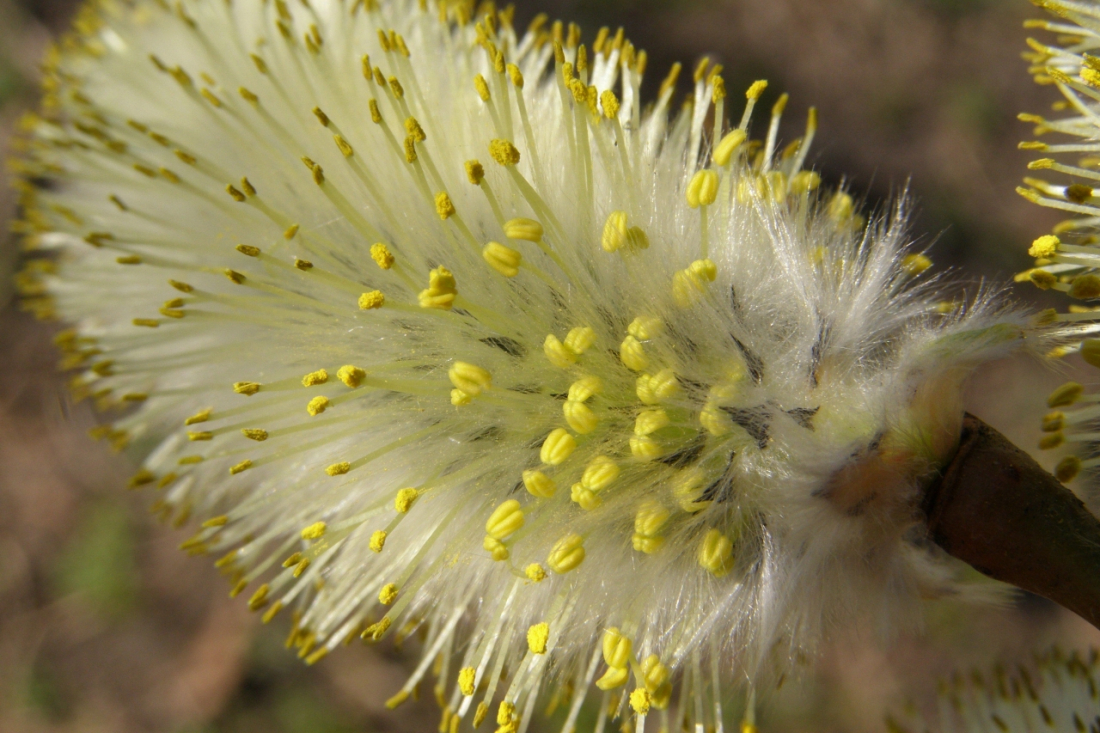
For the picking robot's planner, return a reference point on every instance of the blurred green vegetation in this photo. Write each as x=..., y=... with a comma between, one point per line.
x=99, y=562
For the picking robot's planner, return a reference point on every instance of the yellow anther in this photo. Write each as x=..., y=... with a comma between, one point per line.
x=756, y=90
x=503, y=259
x=397, y=699
x=378, y=540
x=716, y=553
x=614, y=231
x=444, y=206
x=198, y=417
x=375, y=113
x=381, y=255
x=505, y=520
x=1053, y=422
x=515, y=75
x=1085, y=287
x=650, y=421
x=480, y=713
x=654, y=674
x=566, y=554
x=442, y=290
x=528, y=230
x=292, y=560
x=314, y=378
x=640, y=701
x=372, y=300
x=723, y=152
x=535, y=573
x=482, y=88
x=314, y=531
x=234, y=276
x=259, y=598
x=248, y=250
x=600, y=473
x=414, y=130
x=537, y=637
x=1090, y=351
x=496, y=548
x=704, y=270
x=317, y=405
x=388, y=594
x=841, y=208
x=557, y=447
x=612, y=678
x=475, y=172
x=915, y=264
x=376, y=631
x=469, y=378
x=405, y=499
x=687, y=490
x=584, y=498
x=466, y=678
x=1042, y=279
x=460, y=398
x=1051, y=441
x=580, y=417
x=338, y=469
x=689, y=284
x=539, y=484
x=661, y=386
x=1065, y=395
x=199, y=435
x=270, y=613
x=702, y=190
x=1067, y=469
x=219, y=521
x=556, y=352
x=584, y=388
x=504, y=152
x=645, y=448
x=410, y=150
x=650, y=518
x=182, y=287
x=617, y=648
x=257, y=434
x=644, y=328
x=579, y=339
x=344, y=146
x=396, y=88
x=303, y=264
x=632, y=354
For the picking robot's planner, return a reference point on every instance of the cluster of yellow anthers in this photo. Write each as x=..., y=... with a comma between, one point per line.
x=1058, y=693
x=1068, y=259
x=742, y=385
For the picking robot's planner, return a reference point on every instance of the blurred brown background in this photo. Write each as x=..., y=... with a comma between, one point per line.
x=105, y=626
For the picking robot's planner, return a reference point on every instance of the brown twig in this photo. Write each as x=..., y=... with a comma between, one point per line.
x=995, y=508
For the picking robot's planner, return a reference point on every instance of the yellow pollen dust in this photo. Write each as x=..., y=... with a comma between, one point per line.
x=381, y=255
x=444, y=206
x=314, y=531
x=1044, y=247
x=504, y=152
x=640, y=701
x=535, y=573
x=314, y=378
x=372, y=300
x=378, y=540
x=352, y=376
x=474, y=172
x=258, y=434
x=338, y=469
x=466, y=678
x=317, y=405
x=388, y=594
x=405, y=499
x=497, y=549
x=537, y=637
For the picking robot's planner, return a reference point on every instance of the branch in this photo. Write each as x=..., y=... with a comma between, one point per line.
x=995, y=508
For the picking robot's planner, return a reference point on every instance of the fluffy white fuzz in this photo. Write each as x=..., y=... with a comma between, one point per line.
x=614, y=407
x=1058, y=695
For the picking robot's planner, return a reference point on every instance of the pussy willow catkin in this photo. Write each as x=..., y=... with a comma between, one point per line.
x=432, y=324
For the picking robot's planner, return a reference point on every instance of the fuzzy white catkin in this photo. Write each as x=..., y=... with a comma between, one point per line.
x=606, y=410
x=1057, y=694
